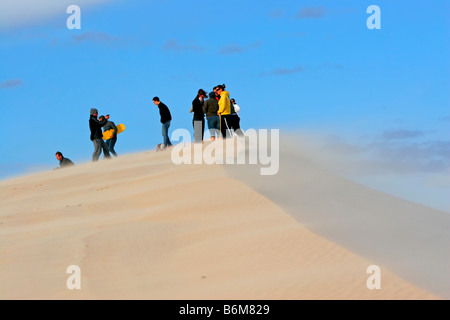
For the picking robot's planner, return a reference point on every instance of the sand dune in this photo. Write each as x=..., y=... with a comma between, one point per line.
x=140, y=227
x=408, y=238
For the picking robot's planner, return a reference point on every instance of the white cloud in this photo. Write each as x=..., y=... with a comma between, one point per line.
x=398, y=153
x=402, y=134
x=11, y=83
x=234, y=48
x=97, y=37
x=418, y=171
x=283, y=71
x=311, y=13
x=19, y=13
x=175, y=46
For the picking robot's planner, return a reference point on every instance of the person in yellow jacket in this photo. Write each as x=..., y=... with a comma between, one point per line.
x=224, y=110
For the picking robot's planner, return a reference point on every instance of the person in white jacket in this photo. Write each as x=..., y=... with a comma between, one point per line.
x=236, y=107
x=236, y=123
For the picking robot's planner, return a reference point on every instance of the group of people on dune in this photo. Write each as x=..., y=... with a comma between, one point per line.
x=222, y=116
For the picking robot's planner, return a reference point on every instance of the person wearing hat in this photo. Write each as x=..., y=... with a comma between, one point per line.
x=95, y=125
x=198, y=121
x=112, y=141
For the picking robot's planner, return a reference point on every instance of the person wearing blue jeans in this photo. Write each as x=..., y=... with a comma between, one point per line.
x=165, y=133
x=214, y=125
x=210, y=108
x=112, y=141
x=166, y=118
x=95, y=125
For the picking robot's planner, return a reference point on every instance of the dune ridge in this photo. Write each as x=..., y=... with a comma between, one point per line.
x=140, y=227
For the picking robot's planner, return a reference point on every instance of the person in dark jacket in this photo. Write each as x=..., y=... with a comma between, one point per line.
x=63, y=162
x=199, y=118
x=166, y=118
x=97, y=135
x=112, y=141
x=210, y=108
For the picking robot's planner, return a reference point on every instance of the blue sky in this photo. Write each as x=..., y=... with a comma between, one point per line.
x=296, y=65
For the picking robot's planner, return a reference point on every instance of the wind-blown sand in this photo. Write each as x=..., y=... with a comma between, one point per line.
x=408, y=238
x=140, y=227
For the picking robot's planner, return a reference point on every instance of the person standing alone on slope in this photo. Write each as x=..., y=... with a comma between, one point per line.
x=166, y=118
x=95, y=125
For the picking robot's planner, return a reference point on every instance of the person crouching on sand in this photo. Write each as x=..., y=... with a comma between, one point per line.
x=95, y=125
x=63, y=162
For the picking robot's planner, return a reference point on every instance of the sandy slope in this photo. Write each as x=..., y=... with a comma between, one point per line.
x=410, y=239
x=141, y=227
